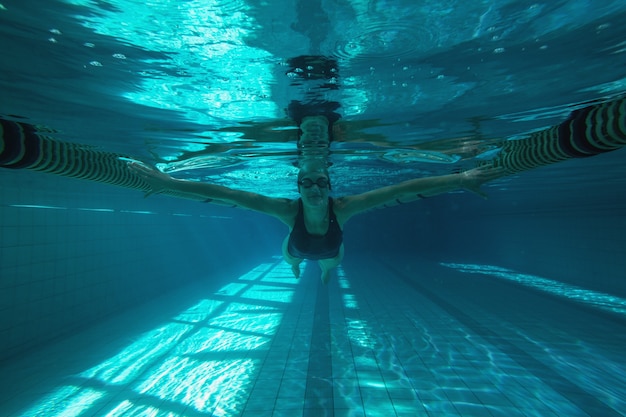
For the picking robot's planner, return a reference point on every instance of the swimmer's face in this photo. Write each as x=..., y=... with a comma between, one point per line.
x=314, y=187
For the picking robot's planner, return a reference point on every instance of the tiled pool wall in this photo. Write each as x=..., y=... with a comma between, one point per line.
x=72, y=252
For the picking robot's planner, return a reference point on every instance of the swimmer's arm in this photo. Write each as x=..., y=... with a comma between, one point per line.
x=162, y=183
x=415, y=189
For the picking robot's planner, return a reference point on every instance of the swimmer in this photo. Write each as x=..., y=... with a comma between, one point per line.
x=316, y=220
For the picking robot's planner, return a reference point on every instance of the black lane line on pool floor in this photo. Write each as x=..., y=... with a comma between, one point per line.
x=319, y=384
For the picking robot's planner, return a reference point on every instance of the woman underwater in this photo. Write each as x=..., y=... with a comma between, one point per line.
x=316, y=220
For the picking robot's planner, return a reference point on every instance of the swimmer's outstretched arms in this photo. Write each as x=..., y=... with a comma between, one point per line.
x=316, y=220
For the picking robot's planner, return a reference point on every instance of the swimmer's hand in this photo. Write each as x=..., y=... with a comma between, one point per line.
x=157, y=180
x=473, y=179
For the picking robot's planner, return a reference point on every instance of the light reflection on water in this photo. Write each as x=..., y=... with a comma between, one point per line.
x=201, y=88
x=421, y=72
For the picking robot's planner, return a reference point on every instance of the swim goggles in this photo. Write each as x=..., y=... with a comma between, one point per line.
x=308, y=183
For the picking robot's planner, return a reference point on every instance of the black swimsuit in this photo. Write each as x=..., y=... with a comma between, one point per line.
x=304, y=245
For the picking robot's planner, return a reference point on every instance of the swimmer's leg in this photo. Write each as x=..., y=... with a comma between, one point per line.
x=294, y=262
x=327, y=264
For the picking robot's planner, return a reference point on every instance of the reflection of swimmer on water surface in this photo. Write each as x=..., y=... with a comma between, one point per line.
x=355, y=132
x=314, y=132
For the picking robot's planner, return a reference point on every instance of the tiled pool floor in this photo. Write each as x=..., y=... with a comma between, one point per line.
x=401, y=338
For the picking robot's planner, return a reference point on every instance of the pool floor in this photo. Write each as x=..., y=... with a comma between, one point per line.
x=387, y=337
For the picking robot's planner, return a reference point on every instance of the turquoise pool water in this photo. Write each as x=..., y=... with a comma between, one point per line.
x=116, y=305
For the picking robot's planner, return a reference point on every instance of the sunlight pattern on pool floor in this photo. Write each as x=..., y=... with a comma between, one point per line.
x=203, y=361
x=376, y=341
x=596, y=299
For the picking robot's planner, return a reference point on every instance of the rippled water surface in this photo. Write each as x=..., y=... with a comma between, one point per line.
x=202, y=87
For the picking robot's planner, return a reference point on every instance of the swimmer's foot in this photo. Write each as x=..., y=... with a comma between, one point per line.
x=295, y=268
x=325, y=276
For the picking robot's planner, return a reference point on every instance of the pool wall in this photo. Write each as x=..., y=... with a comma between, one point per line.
x=552, y=223
x=73, y=252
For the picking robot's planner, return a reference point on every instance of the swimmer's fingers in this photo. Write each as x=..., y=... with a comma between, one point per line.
x=492, y=173
x=141, y=169
x=148, y=193
x=153, y=177
x=476, y=190
x=475, y=178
